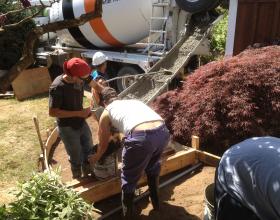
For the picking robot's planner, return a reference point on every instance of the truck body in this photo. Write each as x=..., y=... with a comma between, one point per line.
x=133, y=34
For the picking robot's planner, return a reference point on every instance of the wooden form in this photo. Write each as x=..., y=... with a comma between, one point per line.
x=207, y=158
x=94, y=192
x=31, y=82
x=51, y=141
x=203, y=156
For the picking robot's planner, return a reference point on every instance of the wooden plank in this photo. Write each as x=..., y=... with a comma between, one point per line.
x=177, y=161
x=207, y=158
x=168, y=151
x=95, y=192
x=31, y=82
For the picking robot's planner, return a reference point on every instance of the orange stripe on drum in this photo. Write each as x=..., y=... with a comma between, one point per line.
x=99, y=27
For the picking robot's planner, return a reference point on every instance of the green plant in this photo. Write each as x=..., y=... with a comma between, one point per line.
x=45, y=197
x=3, y=212
x=219, y=35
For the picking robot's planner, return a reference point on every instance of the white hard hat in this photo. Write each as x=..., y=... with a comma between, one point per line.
x=98, y=58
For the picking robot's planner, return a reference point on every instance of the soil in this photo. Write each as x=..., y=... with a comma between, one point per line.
x=182, y=199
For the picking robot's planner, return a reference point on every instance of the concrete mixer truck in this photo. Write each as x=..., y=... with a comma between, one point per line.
x=133, y=34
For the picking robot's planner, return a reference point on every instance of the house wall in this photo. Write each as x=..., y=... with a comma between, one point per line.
x=252, y=21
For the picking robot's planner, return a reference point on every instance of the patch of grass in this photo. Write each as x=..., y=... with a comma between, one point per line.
x=19, y=145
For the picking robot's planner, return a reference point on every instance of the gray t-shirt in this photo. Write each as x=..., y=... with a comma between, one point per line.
x=250, y=173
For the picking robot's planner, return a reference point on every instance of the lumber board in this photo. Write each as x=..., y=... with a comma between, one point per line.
x=94, y=192
x=207, y=158
x=31, y=82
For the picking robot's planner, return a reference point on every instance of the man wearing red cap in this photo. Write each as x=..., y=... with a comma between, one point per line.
x=66, y=104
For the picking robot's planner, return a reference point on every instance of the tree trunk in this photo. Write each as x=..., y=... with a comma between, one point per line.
x=27, y=57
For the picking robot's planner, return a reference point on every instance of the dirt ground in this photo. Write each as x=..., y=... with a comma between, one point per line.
x=182, y=199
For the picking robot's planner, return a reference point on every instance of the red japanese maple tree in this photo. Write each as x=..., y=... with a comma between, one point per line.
x=227, y=101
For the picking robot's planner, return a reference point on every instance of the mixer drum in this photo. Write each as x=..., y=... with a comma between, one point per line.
x=195, y=6
x=123, y=22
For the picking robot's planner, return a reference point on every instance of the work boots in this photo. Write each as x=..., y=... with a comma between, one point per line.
x=127, y=205
x=76, y=172
x=153, y=182
x=86, y=170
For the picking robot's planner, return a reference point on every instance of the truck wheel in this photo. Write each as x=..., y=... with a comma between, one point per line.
x=195, y=6
x=124, y=83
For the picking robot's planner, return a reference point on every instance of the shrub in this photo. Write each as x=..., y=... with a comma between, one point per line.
x=218, y=35
x=45, y=197
x=227, y=101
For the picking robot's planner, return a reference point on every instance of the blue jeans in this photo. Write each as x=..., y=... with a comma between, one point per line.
x=78, y=144
x=142, y=151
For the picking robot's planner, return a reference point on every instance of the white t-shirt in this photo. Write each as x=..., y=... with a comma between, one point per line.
x=127, y=114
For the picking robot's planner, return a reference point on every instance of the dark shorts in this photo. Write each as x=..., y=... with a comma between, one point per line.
x=142, y=151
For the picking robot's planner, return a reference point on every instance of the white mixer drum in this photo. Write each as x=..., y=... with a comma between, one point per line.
x=123, y=22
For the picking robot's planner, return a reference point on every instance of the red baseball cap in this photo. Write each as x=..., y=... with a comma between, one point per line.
x=76, y=67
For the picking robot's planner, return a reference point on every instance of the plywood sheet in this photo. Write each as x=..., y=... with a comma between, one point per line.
x=31, y=82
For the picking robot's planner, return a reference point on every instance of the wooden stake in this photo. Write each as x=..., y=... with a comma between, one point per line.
x=36, y=123
x=195, y=142
x=43, y=148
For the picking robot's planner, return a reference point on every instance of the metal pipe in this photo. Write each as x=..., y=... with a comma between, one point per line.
x=187, y=171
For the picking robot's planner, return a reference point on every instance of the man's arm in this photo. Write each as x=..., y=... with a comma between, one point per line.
x=96, y=97
x=104, y=134
x=96, y=86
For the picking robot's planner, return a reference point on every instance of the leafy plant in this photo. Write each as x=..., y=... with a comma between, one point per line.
x=3, y=212
x=45, y=197
x=219, y=35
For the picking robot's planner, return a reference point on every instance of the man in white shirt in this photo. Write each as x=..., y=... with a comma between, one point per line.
x=146, y=136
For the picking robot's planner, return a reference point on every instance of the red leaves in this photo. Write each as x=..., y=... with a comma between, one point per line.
x=227, y=101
